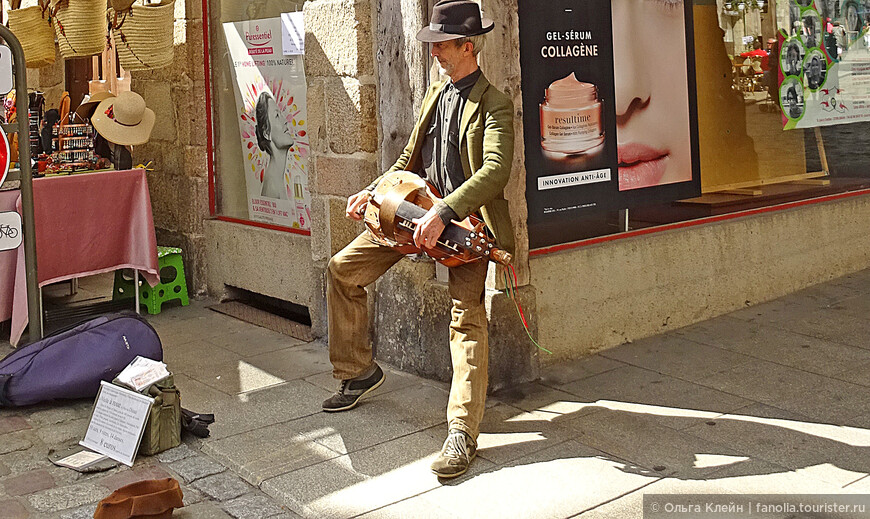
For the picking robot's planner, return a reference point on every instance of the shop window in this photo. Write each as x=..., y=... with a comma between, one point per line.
x=783, y=105
x=777, y=92
x=259, y=116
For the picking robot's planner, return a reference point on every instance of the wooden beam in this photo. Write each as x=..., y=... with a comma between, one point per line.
x=744, y=192
x=812, y=182
x=764, y=182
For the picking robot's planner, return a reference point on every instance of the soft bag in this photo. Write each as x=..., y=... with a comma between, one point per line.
x=71, y=363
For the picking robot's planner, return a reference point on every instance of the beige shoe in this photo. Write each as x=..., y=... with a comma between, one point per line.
x=456, y=455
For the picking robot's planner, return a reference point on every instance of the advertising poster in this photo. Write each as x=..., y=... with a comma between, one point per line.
x=824, y=65
x=270, y=98
x=608, y=109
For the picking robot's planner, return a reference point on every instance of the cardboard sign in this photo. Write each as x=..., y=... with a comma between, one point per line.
x=10, y=230
x=6, y=82
x=117, y=423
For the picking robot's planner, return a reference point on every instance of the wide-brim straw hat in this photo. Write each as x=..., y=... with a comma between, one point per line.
x=453, y=19
x=124, y=119
x=89, y=104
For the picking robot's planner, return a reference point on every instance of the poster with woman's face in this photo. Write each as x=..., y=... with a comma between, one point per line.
x=791, y=59
x=608, y=109
x=652, y=100
x=824, y=63
x=791, y=95
x=815, y=68
x=270, y=96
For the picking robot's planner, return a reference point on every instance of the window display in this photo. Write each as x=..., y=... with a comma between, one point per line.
x=270, y=96
x=776, y=83
x=259, y=115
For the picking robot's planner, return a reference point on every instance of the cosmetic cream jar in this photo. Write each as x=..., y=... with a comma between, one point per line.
x=571, y=120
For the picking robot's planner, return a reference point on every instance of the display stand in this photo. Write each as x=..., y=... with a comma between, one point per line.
x=754, y=187
x=114, y=78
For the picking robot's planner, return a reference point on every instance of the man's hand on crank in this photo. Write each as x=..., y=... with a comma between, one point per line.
x=429, y=229
x=356, y=205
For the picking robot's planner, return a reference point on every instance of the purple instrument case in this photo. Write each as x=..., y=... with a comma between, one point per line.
x=71, y=363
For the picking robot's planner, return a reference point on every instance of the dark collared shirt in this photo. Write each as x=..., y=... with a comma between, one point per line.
x=440, y=151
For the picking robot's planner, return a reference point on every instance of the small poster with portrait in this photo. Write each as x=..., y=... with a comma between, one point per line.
x=824, y=68
x=270, y=93
x=609, y=109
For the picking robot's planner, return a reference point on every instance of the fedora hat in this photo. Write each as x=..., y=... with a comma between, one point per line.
x=89, y=104
x=452, y=19
x=124, y=119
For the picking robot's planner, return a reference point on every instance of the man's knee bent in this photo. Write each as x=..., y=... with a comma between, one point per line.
x=336, y=267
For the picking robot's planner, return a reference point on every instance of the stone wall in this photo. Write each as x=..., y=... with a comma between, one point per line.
x=49, y=80
x=178, y=145
x=342, y=116
x=410, y=304
x=636, y=287
x=500, y=60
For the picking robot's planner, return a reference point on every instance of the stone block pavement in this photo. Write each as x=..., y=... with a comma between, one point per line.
x=769, y=399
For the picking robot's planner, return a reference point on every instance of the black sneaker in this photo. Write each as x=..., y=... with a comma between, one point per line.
x=456, y=455
x=351, y=391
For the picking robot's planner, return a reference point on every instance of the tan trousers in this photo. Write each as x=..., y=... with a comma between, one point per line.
x=361, y=263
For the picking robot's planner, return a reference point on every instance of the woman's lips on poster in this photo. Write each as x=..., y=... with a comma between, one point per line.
x=640, y=165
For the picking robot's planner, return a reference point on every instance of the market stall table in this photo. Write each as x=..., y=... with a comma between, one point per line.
x=85, y=224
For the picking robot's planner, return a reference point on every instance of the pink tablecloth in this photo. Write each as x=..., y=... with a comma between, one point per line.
x=87, y=224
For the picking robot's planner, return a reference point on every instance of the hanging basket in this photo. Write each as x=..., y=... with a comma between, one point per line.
x=81, y=27
x=34, y=31
x=144, y=35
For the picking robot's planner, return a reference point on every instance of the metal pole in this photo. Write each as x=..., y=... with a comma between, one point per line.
x=34, y=303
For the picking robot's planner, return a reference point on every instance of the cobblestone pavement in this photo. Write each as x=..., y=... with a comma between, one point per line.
x=769, y=399
x=32, y=487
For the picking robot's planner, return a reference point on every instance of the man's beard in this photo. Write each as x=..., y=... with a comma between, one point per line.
x=445, y=71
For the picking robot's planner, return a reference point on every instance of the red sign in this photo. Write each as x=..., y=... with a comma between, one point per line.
x=4, y=156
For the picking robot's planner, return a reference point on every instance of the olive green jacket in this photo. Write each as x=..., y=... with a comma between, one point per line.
x=486, y=146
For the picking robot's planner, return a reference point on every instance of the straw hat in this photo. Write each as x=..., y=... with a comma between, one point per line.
x=124, y=119
x=89, y=104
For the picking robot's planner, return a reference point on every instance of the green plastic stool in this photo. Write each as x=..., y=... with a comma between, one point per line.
x=169, y=288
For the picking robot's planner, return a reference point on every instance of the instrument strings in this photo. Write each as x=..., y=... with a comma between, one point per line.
x=411, y=226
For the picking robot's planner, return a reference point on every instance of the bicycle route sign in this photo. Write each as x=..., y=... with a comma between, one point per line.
x=10, y=230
